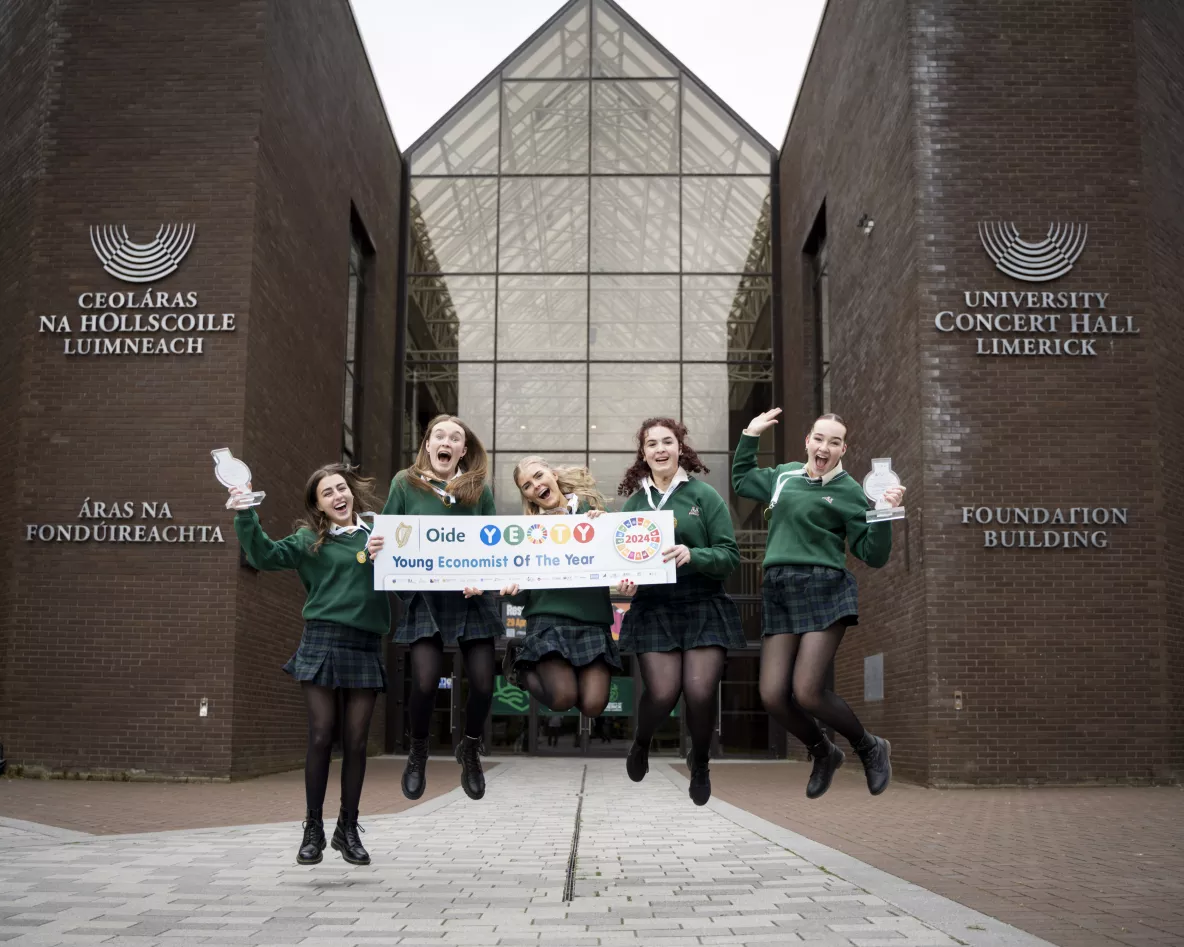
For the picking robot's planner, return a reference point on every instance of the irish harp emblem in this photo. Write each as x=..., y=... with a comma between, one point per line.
x=402, y=534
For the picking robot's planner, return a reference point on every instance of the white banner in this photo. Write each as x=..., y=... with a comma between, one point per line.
x=445, y=553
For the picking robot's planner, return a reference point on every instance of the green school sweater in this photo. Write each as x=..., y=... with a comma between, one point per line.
x=591, y=605
x=405, y=499
x=811, y=522
x=702, y=524
x=340, y=589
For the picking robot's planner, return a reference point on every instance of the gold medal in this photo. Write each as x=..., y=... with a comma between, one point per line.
x=768, y=513
x=361, y=557
x=676, y=522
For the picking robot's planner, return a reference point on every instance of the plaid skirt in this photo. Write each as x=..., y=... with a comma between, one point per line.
x=579, y=643
x=449, y=615
x=333, y=655
x=692, y=613
x=798, y=599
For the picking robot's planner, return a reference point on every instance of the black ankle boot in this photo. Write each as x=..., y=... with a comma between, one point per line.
x=700, y=789
x=827, y=759
x=415, y=777
x=877, y=765
x=314, y=839
x=346, y=841
x=637, y=763
x=472, y=778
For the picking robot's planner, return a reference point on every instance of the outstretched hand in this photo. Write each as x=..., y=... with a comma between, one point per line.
x=762, y=422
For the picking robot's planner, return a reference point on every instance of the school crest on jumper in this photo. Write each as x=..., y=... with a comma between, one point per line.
x=694, y=511
x=402, y=534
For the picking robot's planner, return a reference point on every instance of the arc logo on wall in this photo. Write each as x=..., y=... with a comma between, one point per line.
x=1039, y=262
x=142, y=262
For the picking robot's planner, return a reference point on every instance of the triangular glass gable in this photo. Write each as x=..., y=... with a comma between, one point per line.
x=620, y=51
x=713, y=142
x=561, y=52
x=467, y=142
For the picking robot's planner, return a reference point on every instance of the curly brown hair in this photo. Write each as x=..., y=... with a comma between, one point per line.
x=365, y=500
x=688, y=460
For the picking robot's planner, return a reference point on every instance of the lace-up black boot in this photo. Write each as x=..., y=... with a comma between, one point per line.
x=827, y=758
x=472, y=778
x=415, y=777
x=313, y=842
x=877, y=765
x=637, y=763
x=700, y=788
x=346, y=840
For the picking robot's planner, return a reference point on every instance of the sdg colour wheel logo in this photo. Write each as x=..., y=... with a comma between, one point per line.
x=637, y=539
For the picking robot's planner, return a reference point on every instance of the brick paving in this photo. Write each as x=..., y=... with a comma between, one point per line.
x=1090, y=867
x=102, y=807
x=652, y=869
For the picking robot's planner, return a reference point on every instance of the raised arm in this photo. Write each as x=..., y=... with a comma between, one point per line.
x=749, y=480
x=264, y=553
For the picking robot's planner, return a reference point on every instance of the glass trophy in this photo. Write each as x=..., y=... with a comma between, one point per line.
x=232, y=472
x=881, y=477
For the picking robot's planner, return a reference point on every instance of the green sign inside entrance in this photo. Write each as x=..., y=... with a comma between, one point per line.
x=508, y=699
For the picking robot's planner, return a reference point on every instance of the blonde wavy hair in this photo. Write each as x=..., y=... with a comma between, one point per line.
x=575, y=480
x=475, y=464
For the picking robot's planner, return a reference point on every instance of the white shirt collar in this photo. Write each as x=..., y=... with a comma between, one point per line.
x=647, y=484
x=358, y=524
x=828, y=476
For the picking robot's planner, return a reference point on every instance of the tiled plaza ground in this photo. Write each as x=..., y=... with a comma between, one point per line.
x=650, y=869
x=1079, y=868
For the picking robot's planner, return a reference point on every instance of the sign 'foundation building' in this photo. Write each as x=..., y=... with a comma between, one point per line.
x=967, y=245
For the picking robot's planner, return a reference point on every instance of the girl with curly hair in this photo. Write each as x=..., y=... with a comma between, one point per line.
x=680, y=632
x=448, y=478
x=341, y=648
x=568, y=655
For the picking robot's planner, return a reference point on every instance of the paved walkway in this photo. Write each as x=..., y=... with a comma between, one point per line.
x=648, y=868
x=1089, y=867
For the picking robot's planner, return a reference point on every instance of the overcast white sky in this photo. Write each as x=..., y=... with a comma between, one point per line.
x=427, y=54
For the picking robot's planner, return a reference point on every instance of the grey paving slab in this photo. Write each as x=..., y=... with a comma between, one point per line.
x=652, y=870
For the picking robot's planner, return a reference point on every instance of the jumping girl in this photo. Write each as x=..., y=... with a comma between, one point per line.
x=439, y=484
x=680, y=632
x=815, y=510
x=344, y=621
x=568, y=655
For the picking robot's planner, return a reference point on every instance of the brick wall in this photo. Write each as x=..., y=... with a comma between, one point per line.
x=26, y=41
x=850, y=144
x=931, y=117
x=324, y=144
x=1159, y=37
x=176, y=118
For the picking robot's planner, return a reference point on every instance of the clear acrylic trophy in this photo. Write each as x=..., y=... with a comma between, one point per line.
x=881, y=477
x=232, y=472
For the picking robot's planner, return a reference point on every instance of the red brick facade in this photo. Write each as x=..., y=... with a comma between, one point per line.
x=931, y=117
x=259, y=124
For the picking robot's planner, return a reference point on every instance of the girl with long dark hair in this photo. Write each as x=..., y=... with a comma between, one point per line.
x=341, y=648
x=815, y=511
x=568, y=655
x=681, y=632
x=448, y=478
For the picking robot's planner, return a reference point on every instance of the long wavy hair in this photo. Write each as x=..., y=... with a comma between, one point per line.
x=688, y=460
x=575, y=480
x=474, y=465
x=365, y=500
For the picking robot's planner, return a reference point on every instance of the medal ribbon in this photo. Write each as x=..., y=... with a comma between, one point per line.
x=444, y=495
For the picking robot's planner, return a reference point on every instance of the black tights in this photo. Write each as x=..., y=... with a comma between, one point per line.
x=696, y=675
x=427, y=655
x=793, y=685
x=557, y=685
x=355, y=727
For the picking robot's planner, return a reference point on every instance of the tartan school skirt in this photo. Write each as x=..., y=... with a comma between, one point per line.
x=577, y=642
x=333, y=655
x=449, y=615
x=798, y=599
x=691, y=613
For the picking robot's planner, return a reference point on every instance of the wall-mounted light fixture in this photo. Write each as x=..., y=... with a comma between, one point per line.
x=866, y=224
